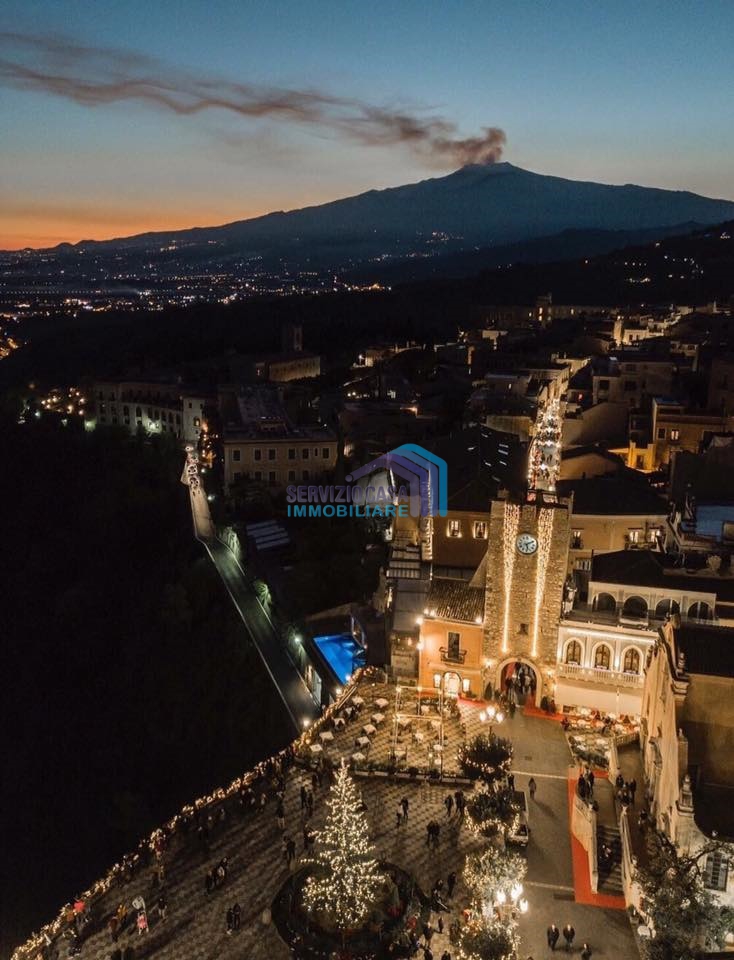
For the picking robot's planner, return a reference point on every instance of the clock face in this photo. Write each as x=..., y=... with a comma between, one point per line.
x=526, y=544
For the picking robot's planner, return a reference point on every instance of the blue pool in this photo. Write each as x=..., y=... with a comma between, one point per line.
x=342, y=653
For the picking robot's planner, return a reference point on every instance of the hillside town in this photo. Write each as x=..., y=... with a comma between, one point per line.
x=572, y=588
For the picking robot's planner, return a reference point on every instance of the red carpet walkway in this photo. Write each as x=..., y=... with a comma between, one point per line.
x=581, y=879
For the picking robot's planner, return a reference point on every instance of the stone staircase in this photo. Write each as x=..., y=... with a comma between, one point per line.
x=610, y=880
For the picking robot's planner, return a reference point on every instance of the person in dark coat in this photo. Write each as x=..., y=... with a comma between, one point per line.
x=568, y=934
x=450, y=884
x=552, y=934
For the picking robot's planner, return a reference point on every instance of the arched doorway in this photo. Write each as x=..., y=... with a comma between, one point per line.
x=519, y=679
x=451, y=684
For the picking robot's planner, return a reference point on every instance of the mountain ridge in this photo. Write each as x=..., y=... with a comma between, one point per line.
x=472, y=208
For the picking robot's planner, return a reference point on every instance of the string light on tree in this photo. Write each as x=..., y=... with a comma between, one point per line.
x=346, y=878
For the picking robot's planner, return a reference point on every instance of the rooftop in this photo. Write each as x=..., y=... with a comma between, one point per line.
x=455, y=600
x=708, y=650
x=648, y=568
x=619, y=494
x=256, y=413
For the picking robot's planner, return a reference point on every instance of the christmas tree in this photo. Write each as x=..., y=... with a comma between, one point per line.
x=346, y=879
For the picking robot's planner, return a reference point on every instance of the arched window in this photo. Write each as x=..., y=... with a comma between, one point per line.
x=138, y=413
x=602, y=657
x=699, y=610
x=634, y=607
x=605, y=601
x=574, y=652
x=666, y=608
x=631, y=661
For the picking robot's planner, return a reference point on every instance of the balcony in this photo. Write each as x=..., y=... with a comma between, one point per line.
x=452, y=656
x=573, y=671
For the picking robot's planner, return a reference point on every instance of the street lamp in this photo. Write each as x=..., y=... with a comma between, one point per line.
x=507, y=904
x=491, y=716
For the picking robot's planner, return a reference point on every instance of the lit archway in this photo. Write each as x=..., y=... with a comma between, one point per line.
x=451, y=684
x=602, y=656
x=573, y=652
x=508, y=668
x=631, y=660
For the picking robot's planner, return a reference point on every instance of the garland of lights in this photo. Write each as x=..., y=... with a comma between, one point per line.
x=545, y=538
x=490, y=812
x=494, y=879
x=346, y=880
x=486, y=757
x=483, y=939
x=509, y=536
x=55, y=928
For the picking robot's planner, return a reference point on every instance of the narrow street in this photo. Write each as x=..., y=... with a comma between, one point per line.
x=289, y=683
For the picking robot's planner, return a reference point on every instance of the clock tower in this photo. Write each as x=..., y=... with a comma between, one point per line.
x=526, y=562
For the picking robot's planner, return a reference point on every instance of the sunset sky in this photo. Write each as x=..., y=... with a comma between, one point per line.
x=108, y=127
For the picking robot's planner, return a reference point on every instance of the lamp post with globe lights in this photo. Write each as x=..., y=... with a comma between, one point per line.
x=492, y=715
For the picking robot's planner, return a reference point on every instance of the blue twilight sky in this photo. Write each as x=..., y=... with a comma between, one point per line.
x=617, y=92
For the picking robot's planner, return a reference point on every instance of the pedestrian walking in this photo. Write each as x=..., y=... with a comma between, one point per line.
x=280, y=815
x=532, y=787
x=445, y=955
x=405, y=804
x=590, y=781
x=399, y=815
x=632, y=788
x=230, y=921
x=439, y=925
x=585, y=951
x=142, y=922
x=552, y=935
x=449, y=804
x=450, y=884
x=568, y=934
x=162, y=907
x=511, y=781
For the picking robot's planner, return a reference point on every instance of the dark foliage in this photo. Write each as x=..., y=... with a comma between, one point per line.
x=130, y=688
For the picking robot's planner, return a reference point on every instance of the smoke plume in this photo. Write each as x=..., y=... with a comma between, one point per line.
x=95, y=76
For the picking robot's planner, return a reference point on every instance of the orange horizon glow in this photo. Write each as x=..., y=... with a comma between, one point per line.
x=16, y=233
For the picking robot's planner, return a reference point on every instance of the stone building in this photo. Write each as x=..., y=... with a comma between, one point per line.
x=687, y=734
x=525, y=570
